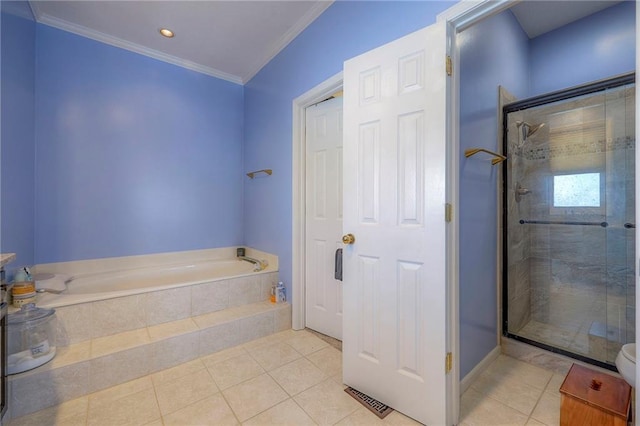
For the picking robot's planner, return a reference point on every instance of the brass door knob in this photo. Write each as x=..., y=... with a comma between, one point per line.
x=348, y=239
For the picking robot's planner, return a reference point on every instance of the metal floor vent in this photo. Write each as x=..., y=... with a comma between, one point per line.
x=376, y=407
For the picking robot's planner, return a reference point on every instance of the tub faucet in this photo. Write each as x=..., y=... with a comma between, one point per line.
x=259, y=264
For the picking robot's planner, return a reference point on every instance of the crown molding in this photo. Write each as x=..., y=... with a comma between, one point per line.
x=19, y=9
x=300, y=25
x=132, y=47
x=35, y=11
x=295, y=30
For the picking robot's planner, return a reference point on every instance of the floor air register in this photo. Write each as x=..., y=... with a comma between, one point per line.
x=376, y=407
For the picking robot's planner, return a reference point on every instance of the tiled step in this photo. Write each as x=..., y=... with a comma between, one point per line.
x=86, y=367
x=290, y=377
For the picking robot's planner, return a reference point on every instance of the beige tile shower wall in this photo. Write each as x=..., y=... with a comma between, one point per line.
x=519, y=295
x=518, y=255
x=78, y=323
x=586, y=260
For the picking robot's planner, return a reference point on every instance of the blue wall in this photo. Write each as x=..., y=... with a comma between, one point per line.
x=599, y=46
x=133, y=155
x=17, y=137
x=345, y=30
x=493, y=52
x=497, y=52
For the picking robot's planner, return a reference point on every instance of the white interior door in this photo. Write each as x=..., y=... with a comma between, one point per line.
x=323, y=216
x=395, y=305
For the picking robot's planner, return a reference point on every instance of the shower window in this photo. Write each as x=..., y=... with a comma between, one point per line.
x=580, y=190
x=569, y=220
x=578, y=194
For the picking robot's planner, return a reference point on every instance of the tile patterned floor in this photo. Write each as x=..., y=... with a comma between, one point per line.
x=512, y=392
x=291, y=378
x=593, y=322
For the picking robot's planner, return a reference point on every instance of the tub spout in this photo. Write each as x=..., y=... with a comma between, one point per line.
x=49, y=290
x=259, y=264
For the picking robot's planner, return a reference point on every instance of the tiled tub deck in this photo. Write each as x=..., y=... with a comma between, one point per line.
x=106, y=343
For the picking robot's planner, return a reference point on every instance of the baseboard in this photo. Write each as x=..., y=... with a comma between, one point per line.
x=478, y=369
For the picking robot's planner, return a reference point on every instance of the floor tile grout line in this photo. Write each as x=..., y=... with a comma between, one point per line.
x=349, y=414
x=254, y=358
x=309, y=414
x=541, y=390
x=235, y=415
x=303, y=354
x=264, y=371
x=193, y=402
x=86, y=414
x=153, y=382
x=302, y=408
x=268, y=408
x=296, y=360
x=240, y=382
x=537, y=402
x=219, y=391
x=155, y=393
x=245, y=352
x=213, y=379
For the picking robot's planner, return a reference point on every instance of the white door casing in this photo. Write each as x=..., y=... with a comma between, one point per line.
x=394, y=288
x=323, y=216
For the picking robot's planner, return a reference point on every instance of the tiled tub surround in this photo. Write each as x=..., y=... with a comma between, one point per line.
x=108, y=342
x=100, y=279
x=573, y=287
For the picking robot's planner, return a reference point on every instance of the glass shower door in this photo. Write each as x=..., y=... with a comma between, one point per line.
x=569, y=221
x=620, y=280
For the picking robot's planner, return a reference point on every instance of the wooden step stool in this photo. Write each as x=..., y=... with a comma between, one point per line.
x=589, y=397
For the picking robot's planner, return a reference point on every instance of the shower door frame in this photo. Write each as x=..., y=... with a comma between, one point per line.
x=547, y=98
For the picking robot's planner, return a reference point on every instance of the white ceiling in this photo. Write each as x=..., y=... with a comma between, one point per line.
x=541, y=16
x=234, y=39
x=231, y=40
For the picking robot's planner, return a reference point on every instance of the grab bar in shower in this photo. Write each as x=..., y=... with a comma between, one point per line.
x=558, y=222
x=499, y=158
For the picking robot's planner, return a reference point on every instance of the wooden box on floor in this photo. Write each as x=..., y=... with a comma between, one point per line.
x=589, y=397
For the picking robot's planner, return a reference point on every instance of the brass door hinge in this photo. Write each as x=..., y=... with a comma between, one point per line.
x=448, y=362
x=448, y=212
x=449, y=66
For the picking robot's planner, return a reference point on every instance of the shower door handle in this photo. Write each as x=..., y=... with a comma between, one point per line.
x=630, y=225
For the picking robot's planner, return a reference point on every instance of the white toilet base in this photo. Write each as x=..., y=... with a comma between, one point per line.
x=626, y=368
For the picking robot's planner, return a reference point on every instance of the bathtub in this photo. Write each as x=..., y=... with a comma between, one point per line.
x=91, y=281
x=123, y=318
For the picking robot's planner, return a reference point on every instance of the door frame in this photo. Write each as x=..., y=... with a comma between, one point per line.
x=459, y=17
x=299, y=192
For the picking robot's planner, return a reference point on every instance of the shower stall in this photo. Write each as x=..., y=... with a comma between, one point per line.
x=569, y=220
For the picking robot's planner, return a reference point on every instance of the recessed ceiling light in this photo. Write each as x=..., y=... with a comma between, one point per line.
x=166, y=32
